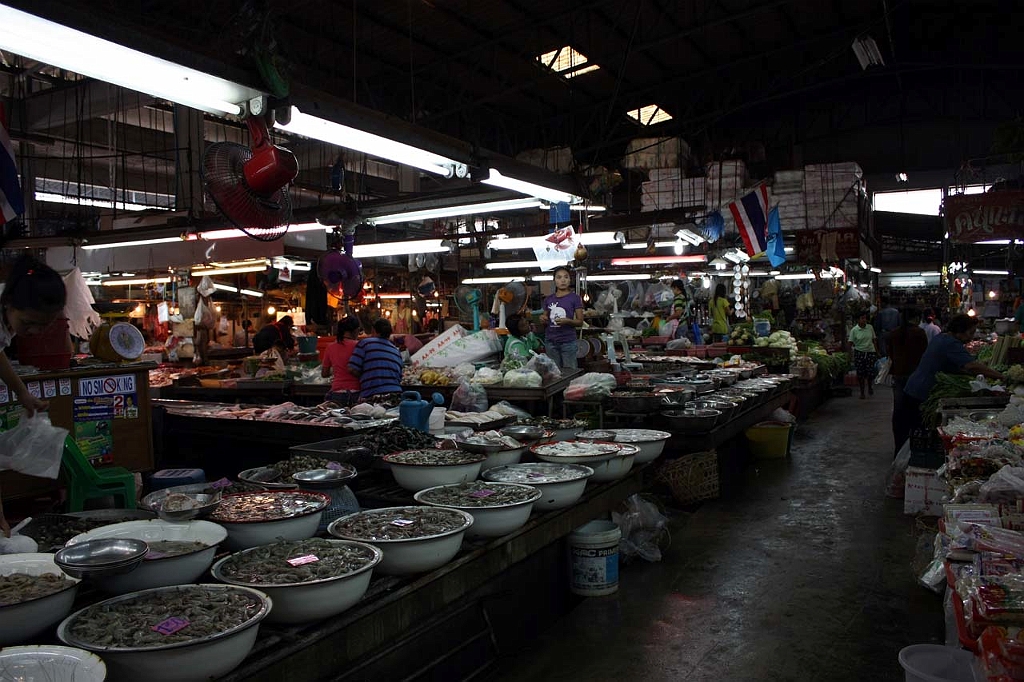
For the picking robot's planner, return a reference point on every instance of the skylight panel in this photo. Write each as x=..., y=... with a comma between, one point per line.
x=649, y=115
x=567, y=62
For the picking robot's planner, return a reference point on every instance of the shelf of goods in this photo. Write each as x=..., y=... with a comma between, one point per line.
x=105, y=408
x=534, y=396
x=434, y=623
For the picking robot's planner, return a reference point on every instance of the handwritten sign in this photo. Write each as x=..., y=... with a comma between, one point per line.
x=170, y=626
x=402, y=522
x=481, y=493
x=222, y=483
x=303, y=560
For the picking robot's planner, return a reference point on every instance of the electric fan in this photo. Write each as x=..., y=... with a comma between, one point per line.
x=508, y=301
x=250, y=186
x=340, y=272
x=467, y=298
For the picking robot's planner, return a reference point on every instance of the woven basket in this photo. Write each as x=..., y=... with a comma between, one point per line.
x=692, y=477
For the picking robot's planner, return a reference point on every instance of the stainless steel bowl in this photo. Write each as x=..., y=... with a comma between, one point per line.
x=524, y=433
x=724, y=406
x=101, y=558
x=201, y=505
x=480, y=448
x=695, y=421
x=325, y=479
x=268, y=477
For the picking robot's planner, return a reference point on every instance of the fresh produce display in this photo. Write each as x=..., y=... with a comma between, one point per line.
x=1001, y=350
x=18, y=587
x=742, y=335
x=134, y=623
x=779, y=339
x=268, y=506
x=406, y=523
x=946, y=386
x=275, y=564
x=429, y=377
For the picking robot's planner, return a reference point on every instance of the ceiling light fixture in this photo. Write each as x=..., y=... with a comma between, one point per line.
x=877, y=271
x=805, y=275
x=658, y=260
x=235, y=233
x=399, y=248
x=907, y=283
x=493, y=280
x=619, y=278
x=51, y=198
x=237, y=290
x=1004, y=273
x=588, y=208
x=513, y=265
x=57, y=45
x=394, y=297
x=587, y=238
x=449, y=211
x=494, y=177
x=140, y=242
x=321, y=129
x=230, y=269
x=129, y=282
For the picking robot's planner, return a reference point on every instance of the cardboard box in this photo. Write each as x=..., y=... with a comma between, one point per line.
x=924, y=492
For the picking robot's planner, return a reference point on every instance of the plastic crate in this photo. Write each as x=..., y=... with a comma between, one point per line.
x=770, y=439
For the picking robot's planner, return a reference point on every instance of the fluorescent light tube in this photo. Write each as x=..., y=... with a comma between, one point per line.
x=495, y=178
x=797, y=276
x=991, y=272
x=618, y=278
x=542, y=278
x=863, y=265
x=236, y=270
x=513, y=265
x=397, y=297
x=51, y=198
x=643, y=245
x=321, y=129
x=876, y=270
x=449, y=211
x=588, y=208
x=234, y=233
x=127, y=282
x=398, y=248
x=64, y=47
x=690, y=236
x=236, y=290
x=493, y=280
x=587, y=238
x=658, y=260
x=251, y=292
x=907, y=283
x=789, y=249
x=140, y=242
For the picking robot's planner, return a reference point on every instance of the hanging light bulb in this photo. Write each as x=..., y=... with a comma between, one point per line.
x=271, y=310
x=586, y=297
x=707, y=282
x=217, y=308
x=678, y=248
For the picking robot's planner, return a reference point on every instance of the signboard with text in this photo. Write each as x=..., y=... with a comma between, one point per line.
x=982, y=217
x=832, y=246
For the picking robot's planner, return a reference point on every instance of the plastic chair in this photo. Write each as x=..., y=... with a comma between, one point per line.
x=85, y=482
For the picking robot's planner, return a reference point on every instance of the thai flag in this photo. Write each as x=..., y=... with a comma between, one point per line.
x=11, y=202
x=751, y=214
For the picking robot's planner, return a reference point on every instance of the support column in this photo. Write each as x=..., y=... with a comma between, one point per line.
x=189, y=143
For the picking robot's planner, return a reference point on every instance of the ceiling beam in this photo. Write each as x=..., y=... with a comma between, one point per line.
x=80, y=100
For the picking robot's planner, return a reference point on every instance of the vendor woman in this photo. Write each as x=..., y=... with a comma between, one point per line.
x=344, y=384
x=520, y=343
x=563, y=315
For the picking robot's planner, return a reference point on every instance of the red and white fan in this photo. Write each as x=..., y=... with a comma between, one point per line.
x=250, y=186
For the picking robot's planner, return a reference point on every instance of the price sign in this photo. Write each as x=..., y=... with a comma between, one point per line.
x=49, y=389
x=170, y=626
x=302, y=560
x=154, y=555
x=65, y=386
x=481, y=493
x=402, y=522
x=34, y=390
x=222, y=483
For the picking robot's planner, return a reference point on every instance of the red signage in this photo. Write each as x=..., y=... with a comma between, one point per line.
x=827, y=246
x=982, y=217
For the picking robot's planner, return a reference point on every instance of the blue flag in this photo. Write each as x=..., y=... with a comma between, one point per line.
x=776, y=248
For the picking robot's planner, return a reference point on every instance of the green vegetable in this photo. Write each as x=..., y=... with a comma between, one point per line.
x=946, y=386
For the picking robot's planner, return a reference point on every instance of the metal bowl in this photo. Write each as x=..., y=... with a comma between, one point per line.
x=524, y=433
x=203, y=504
x=324, y=479
x=480, y=448
x=645, y=402
x=724, y=406
x=268, y=477
x=101, y=558
x=695, y=421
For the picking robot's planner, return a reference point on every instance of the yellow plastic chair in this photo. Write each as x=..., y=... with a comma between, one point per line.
x=85, y=482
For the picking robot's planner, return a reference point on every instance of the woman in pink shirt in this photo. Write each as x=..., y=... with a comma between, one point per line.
x=344, y=385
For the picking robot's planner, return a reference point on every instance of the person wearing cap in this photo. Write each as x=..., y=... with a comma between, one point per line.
x=344, y=384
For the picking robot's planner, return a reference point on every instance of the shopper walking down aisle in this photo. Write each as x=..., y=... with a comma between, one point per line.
x=931, y=329
x=906, y=345
x=378, y=364
x=865, y=353
x=888, y=319
x=563, y=314
x=945, y=353
x=720, y=311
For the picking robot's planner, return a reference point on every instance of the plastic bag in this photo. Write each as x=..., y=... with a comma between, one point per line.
x=469, y=398
x=882, y=372
x=486, y=375
x=979, y=538
x=466, y=370
x=546, y=368
x=591, y=386
x=643, y=526
x=509, y=410
x=204, y=316
x=33, y=447
x=781, y=415
x=522, y=378
x=896, y=479
x=1004, y=486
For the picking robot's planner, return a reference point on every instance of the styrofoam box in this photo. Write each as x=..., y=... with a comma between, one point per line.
x=844, y=167
x=735, y=168
x=658, y=174
x=789, y=177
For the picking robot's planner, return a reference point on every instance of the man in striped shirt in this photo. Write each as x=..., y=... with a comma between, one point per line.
x=378, y=363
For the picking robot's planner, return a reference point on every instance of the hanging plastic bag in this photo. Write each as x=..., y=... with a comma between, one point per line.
x=469, y=398
x=643, y=526
x=33, y=447
x=896, y=479
x=204, y=316
x=883, y=368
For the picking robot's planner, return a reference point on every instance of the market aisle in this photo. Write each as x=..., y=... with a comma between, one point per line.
x=803, y=573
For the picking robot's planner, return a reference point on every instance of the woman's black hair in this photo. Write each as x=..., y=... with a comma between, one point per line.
x=562, y=267
x=512, y=325
x=679, y=284
x=961, y=323
x=720, y=290
x=347, y=324
x=33, y=285
x=383, y=328
x=909, y=315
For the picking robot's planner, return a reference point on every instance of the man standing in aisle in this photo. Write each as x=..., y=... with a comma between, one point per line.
x=887, y=320
x=377, y=362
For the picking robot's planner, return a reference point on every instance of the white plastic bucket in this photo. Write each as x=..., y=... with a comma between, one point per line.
x=594, y=556
x=936, y=663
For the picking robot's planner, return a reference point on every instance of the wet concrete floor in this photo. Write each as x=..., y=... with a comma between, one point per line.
x=801, y=571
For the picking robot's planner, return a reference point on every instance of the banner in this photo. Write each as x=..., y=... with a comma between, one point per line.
x=557, y=248
x=983, y=217
x=827, y=246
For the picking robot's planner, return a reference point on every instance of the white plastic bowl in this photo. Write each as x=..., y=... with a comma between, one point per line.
x=415, y=555
x=50, y=663
x=616, y=467
x=246, y=534
x=315, y=600
x=650, y=442
x=560, y=485
x=195, y=661
x=566, y=434
x=23, y=621
x=494, y=521
x=173, y=570
x=503, y=458
x=589, y=452
x=936, y=663
x=416, y=477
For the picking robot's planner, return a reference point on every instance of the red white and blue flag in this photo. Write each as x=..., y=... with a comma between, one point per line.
x=751, y=214
x=12, y=203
